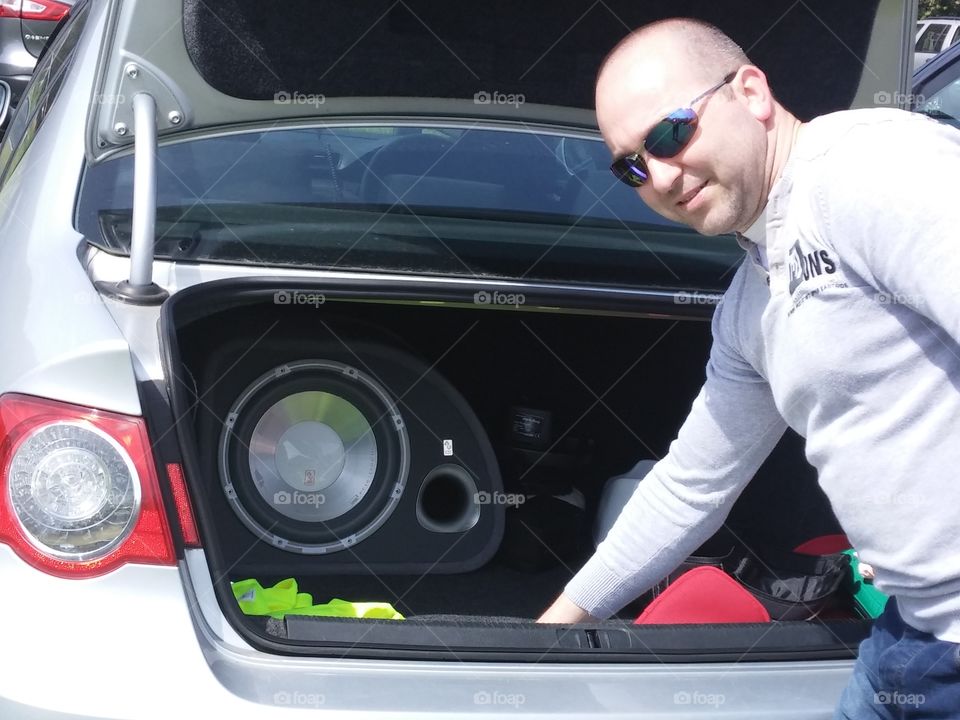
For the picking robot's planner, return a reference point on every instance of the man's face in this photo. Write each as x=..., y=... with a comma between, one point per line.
x=715, y=183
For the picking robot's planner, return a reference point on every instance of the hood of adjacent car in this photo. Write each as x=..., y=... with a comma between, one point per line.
x=235, y=61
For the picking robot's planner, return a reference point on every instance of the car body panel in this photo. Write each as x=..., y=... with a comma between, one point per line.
x=935, y=67
x=16, y=62
x=63, y=331
x=35, y=34
x=177, y=664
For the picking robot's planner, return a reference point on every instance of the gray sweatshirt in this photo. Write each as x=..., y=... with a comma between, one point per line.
x=853, y=340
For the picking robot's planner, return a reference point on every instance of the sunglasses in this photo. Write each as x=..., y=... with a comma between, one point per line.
x=666, y=139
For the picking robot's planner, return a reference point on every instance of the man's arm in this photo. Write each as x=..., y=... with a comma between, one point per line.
x=731, y=428
x=565, y=612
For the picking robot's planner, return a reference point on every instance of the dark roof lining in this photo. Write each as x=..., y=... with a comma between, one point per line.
x=545, y=50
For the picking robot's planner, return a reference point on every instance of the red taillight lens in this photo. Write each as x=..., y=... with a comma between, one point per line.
x=80, y=494
x=181, y=498
x=34, y=9
x=10, y=8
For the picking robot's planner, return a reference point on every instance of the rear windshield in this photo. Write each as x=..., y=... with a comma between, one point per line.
x=452, y=199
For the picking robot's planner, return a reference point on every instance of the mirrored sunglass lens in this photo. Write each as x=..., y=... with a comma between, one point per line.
x=671, y=135
x=630, y=170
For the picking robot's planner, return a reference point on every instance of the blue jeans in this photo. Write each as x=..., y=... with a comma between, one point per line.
x=902, y=673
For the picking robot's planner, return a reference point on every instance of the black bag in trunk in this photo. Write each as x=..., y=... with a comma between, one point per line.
x=792, y=586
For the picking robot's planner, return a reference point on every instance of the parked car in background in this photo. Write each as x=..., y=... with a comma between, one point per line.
x=934, y=35
x=25, y=27
x=346, y=293
x=936, y=87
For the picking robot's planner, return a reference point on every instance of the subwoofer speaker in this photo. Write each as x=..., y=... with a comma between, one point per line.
x=362, y=458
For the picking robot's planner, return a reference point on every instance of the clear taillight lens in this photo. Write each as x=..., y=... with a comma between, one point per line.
x=80, y=490
x=74, y=490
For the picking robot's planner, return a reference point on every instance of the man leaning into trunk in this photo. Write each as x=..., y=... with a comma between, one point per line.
x=843, y=323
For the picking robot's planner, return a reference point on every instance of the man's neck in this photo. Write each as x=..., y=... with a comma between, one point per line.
x=786, y=131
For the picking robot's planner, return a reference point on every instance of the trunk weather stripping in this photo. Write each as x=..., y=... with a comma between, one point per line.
x=140, y=288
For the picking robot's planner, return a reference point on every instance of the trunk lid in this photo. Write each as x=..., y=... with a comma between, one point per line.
x=382, y=58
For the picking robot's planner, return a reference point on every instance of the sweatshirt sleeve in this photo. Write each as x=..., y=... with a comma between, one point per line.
x=889, y=206
x=731, y=428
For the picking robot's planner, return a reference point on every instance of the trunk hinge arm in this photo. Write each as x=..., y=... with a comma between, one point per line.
x=140, y=288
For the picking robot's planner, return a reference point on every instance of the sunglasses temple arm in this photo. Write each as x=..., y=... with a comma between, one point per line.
x=716, y=87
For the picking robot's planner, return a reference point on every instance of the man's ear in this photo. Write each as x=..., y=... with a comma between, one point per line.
x=751, y=85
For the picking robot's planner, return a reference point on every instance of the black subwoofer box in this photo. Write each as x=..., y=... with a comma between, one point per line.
x=330, y=456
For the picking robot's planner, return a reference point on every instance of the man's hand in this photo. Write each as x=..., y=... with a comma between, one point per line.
x=565, y=612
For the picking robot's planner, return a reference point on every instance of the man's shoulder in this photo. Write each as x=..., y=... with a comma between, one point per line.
x=859, y=131
x=857, y=151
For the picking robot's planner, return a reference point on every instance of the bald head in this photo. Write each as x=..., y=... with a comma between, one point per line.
x=667, y=62
x=701, y=48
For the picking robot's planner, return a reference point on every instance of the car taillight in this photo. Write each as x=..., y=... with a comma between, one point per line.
x=181, y=498
x=34, y=9
x=80, y=491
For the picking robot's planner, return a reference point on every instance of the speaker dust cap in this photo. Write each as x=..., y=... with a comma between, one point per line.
x=313, y=456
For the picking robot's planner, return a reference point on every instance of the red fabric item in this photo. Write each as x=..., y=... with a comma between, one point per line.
x=703, y=595
x=823, y=545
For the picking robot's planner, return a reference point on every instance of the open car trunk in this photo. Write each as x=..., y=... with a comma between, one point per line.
x=436, y=443
x=445, y=450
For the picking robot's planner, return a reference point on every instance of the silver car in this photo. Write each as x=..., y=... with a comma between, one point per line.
x=309, y=302
x=934, y=35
